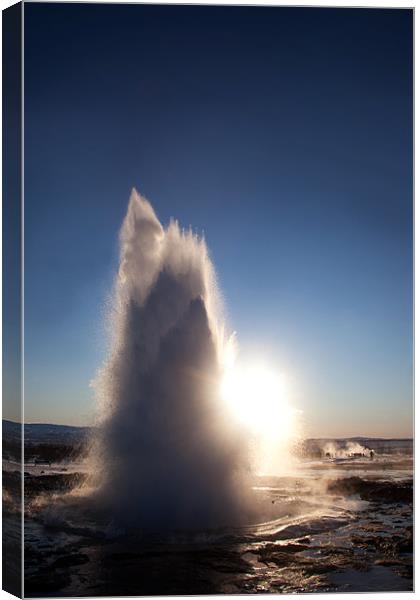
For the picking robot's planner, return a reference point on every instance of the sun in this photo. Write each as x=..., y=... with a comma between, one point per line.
x=257, y=397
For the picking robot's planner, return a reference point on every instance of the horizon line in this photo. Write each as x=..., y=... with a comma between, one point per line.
x=341, y=437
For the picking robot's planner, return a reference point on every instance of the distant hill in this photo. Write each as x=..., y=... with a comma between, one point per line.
x=62, y=439
x=43, y=433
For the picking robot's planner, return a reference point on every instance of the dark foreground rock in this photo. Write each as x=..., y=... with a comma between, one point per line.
x=373, y=491
x=35, y=485
x=364, y=549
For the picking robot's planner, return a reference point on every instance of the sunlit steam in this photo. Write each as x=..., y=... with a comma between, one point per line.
x=170, y=454
x=257, y=396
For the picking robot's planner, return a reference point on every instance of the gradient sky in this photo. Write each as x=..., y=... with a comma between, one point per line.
x=284, y=134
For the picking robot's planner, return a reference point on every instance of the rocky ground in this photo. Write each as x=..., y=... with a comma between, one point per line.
x=368, y=549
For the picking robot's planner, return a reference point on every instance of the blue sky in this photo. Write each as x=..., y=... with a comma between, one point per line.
x=284, y=134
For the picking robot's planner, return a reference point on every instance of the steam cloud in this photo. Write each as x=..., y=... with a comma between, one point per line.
x=349, y=449
x=170, y=455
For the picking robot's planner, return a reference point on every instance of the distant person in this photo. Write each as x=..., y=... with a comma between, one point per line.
x=372, y=454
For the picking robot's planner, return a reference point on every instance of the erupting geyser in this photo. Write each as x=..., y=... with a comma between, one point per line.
x=170, y=453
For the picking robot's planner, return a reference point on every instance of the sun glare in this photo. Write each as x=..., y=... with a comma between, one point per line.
x=257, y=397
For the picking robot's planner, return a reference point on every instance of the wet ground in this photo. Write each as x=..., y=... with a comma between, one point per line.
x=332, y=526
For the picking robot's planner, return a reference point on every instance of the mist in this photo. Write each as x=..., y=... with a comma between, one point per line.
x=169, y=454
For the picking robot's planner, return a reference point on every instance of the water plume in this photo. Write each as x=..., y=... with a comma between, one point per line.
x=169, y=455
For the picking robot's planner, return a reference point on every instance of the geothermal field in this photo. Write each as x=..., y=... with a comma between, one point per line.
x=196, y=478
x=333, y=524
